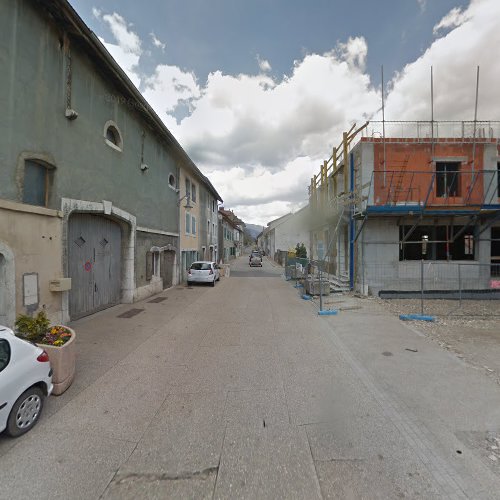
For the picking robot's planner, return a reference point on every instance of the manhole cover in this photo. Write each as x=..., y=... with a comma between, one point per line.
x=156, y=300
x=130, y=313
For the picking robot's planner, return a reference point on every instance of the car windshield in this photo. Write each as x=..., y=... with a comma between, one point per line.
x=201, y=266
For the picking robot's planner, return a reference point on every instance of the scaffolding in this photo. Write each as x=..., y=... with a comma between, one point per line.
x=341, y=196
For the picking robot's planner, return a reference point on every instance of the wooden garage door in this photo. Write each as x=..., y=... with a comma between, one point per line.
x=94, y=252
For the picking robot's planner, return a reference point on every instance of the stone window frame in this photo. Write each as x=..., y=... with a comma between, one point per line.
x=116, y=130
x=44, y=160
x=173, y=184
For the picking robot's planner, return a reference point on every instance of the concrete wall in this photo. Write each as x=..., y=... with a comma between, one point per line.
x=34, y=250
x=379, y=268
x=293, y=230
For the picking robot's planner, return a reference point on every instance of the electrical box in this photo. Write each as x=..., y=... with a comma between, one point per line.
x=60, y=285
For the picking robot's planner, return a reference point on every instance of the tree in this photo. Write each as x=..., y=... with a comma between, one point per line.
x=301, y=251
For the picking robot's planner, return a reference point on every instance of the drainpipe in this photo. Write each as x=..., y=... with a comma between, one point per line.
x=351, y=224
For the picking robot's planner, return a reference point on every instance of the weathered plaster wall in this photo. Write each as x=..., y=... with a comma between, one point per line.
x=34, y=63
x=34, y=249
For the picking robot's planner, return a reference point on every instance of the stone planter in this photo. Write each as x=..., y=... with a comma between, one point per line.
x=63, y=363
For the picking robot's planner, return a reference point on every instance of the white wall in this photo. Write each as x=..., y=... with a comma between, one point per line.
x=294, y=229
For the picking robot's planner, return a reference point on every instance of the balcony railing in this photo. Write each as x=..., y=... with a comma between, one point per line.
x=439, y=131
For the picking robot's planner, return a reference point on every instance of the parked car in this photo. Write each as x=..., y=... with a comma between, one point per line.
x=25, y=381
x=255, y=259
x=203, y=271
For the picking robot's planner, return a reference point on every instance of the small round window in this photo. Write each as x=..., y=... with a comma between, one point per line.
x=171, y=180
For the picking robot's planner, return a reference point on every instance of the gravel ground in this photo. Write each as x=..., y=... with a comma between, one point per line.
x=470, y=330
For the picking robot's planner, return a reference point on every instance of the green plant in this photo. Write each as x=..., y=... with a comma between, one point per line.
x=38, y=330
x=301, y=251
x=32, y=328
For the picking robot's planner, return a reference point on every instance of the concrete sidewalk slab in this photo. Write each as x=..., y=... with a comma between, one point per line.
x=75, y=464
x=257, y=408
x=183, y=439
x=266, y=463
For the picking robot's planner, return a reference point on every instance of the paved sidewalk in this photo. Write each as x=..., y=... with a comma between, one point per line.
x=242, y=391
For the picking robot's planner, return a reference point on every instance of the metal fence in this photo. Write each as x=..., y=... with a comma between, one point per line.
x=310, y=277
x=434, y=288
x=437, y=288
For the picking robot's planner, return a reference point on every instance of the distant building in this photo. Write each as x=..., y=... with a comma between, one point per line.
x=230, y=235
x=284, y=233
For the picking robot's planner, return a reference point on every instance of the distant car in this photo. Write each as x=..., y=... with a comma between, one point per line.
x=203, y=271
x=255, y=259
x=25, y=381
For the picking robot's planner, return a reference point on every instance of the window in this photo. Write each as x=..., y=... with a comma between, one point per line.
x=193, y=225
x=4, y=354
x=36, y=183
x=201, y=266
x=112, y=135
x=188, y=223
x=193, y=192
x=188, y=187
x=213, y=206
x=171, y=180
x=208, y=228
x=437, y=243
x=447, y=179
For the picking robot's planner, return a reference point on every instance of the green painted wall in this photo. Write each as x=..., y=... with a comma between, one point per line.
x=33, y=67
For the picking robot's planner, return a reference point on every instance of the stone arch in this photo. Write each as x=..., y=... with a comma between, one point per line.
x=126, y=221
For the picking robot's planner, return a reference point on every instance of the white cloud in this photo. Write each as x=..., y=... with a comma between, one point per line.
x=264, y=64
x=126, y=38
x=260, y=140
x=354, y=52
x=454, y=58
x=127, y=50
x=128, y=61
x=157, y=42
x=253, y=120
x=454, y=18
x=168, y=87
x=422, y=4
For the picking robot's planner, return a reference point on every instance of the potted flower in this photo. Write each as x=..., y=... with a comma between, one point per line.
x=57, y=340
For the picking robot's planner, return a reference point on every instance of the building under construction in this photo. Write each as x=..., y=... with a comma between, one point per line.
x=394, y=194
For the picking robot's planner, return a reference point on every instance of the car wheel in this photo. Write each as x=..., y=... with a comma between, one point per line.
x=189, y=283
x=25, y=412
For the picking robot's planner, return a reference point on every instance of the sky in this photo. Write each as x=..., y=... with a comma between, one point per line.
x=259, y=91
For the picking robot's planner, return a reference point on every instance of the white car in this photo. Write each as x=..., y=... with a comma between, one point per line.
x=203, y=271
x=25, y=381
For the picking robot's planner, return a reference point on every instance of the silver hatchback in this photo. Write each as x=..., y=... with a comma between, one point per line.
x=203, y=271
